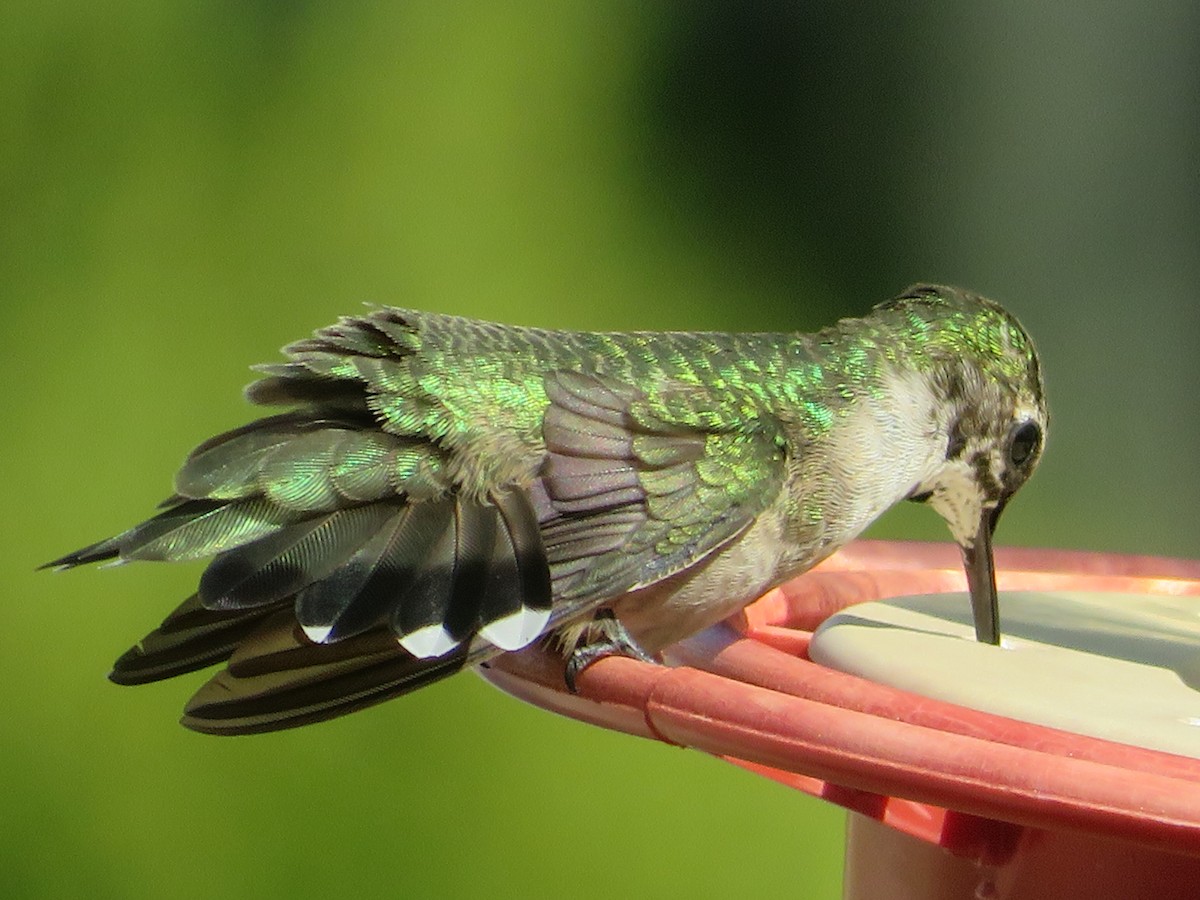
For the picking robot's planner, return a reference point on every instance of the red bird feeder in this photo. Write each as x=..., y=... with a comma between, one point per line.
x=1063, y=764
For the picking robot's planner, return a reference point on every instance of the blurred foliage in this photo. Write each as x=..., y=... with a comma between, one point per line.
x=185, y=187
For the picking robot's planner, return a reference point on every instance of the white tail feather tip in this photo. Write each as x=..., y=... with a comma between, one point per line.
x=428, y=642
x=516, y=630
x=317, y=633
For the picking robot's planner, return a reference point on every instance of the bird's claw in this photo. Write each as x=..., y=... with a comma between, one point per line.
x=612, y=640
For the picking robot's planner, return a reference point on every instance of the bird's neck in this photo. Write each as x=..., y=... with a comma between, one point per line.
x=885, y=442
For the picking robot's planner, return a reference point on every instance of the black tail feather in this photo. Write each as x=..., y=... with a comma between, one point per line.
x=191, y=638
x=278, y=679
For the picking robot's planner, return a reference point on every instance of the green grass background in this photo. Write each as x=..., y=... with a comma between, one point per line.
x=186, y=187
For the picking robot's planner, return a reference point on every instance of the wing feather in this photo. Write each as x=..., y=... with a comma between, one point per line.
x=642, y=483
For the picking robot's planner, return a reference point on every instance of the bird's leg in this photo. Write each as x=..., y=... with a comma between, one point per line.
x=607, y=637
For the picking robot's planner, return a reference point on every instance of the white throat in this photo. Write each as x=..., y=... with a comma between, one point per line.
x=898, y=435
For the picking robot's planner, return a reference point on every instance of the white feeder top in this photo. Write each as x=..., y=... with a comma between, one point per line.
x=1122, y=667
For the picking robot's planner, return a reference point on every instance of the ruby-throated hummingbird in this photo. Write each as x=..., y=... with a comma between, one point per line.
x=442, y=490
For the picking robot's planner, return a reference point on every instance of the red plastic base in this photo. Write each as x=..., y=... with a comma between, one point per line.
x=885, y=864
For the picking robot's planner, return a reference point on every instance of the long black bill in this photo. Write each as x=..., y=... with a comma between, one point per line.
x=981, y=578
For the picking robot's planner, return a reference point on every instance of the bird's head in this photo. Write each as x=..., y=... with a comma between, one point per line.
x=985, y=373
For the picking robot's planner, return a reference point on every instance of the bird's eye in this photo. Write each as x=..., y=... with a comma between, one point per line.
x=1023, y=443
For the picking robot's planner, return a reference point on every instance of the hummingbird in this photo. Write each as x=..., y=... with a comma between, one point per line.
x=438, y=490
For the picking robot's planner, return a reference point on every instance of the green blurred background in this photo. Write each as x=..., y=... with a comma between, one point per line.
x=186, y=187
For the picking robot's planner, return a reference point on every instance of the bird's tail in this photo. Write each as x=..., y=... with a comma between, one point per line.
x=342, y=572
x=275, y=677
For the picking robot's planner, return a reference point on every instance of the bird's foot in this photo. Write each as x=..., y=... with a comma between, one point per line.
x=609, y=638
